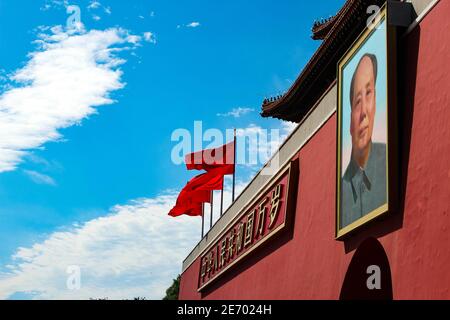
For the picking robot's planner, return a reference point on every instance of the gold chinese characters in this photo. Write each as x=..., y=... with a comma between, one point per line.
x=251, y=228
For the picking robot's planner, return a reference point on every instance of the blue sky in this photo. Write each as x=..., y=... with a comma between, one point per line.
x=85, y=166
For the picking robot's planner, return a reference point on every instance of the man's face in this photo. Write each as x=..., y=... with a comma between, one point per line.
x=363, y=106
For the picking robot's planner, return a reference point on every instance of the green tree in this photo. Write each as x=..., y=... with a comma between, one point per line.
x=173, y=290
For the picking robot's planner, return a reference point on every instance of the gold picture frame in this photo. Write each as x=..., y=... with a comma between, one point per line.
x=382, y=29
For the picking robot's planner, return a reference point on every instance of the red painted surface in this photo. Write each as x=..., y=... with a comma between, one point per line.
x=309, y=263
x=211, y=258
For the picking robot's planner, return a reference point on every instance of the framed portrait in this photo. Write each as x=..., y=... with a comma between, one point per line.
x=366, y=103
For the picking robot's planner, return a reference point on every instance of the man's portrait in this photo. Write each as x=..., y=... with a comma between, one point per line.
x=362, y=131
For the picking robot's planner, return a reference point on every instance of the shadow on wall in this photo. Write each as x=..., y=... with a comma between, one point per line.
x=368, y=276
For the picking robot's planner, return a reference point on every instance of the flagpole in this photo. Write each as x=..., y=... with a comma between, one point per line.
x=221, y=198
x=203, y=219
x=234, y=163
x=211, y=218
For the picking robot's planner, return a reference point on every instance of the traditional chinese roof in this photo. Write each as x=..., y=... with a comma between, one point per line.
x=322, y=27
x=338, y=33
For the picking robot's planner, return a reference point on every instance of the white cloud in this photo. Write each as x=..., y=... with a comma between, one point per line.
x=94, y=5
x=287, y=127
x=255, y=145
x=241, y=183
x=133, y=39
x=149, y=37
x=236, y=112
x=40, y=178
x=251, y=129
x=134, y=251
x=193, y=24
x=44, y=164
x=56, y=4
x=108, y=10
x=63, y=82
x=141, y=17
x=96, y=17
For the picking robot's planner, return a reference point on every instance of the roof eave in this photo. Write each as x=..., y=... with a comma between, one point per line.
x=320, y=71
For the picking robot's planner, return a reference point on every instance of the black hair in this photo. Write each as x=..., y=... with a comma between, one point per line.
x=374, y=60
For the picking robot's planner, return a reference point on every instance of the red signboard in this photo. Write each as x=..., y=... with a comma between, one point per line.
x=263, y=217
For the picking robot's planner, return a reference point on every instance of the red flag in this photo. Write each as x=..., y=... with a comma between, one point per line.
x=197, y=191
x=188, y=194
x=209, y=159
x=194, y=210
x=190, y=202
x=211, y=180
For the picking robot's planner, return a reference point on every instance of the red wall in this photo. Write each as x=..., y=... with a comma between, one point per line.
x=309, y=263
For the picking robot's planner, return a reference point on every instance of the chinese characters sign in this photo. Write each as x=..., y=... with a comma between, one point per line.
x=259, y=220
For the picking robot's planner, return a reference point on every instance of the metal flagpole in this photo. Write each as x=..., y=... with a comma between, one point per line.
x=211, y=218
x=203, y=219
x=221, y=197
x=234, y=163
